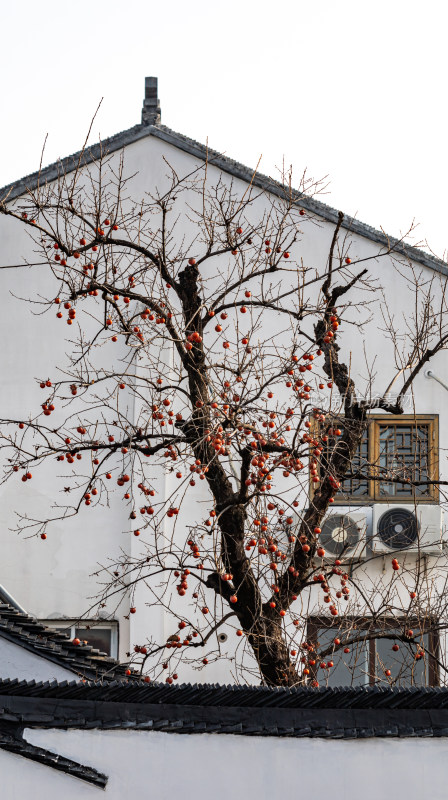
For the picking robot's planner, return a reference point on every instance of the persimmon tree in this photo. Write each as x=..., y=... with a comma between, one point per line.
x=203, y=347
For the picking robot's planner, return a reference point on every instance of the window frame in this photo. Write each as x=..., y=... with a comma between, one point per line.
x=374, y=496
x=70, y=625
x=364, y=623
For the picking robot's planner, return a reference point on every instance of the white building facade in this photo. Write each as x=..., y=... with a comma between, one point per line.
x=55, y=581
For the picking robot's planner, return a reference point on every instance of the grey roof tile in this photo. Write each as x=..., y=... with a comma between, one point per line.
x=432, y=699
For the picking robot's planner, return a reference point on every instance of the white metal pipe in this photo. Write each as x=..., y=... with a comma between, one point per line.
x=8, y=598
x=430, y=374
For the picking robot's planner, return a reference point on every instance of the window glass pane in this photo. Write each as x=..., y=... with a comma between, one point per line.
x=99, y=638
x=350, y=669
x=404, y=453
x=405, y=669
x=351, y=487
x=356, y=487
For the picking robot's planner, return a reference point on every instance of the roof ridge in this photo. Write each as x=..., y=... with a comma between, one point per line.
x=119, y=140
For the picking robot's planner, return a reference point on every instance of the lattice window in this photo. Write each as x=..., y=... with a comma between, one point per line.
x=403, y=450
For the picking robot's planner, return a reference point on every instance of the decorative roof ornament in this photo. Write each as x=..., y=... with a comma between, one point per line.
x=151, y=114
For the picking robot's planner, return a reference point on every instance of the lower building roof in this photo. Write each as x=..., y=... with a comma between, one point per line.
x=329, y=713
x=84, y=661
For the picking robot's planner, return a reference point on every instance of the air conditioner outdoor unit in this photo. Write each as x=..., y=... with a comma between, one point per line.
x=407, y=528
x=343, y=534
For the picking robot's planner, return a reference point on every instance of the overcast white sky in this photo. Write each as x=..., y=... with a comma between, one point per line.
x=348, y=89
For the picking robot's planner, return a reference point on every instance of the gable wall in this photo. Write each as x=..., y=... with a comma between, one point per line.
x=17, y=662
x=54, y=577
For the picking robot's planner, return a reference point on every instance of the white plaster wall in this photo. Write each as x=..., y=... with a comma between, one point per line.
x=55, y=577
x=17, y=662
x=200, y=767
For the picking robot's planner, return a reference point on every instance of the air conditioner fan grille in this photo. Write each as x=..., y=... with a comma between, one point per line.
x=398, y=528
x=340, y=534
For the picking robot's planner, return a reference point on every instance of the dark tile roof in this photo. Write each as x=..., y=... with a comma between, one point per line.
x=22, y=629
x=226, y=164
x=344, y=713
x=211, y=695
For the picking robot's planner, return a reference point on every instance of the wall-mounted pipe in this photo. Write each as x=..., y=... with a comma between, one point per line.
x=430, y=374
x=8, y=598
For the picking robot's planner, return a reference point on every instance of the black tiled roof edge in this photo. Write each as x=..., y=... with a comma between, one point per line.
x=318, y=713
x=226, y=164
x=13, y=742
x=25, y=631
x=217, y=695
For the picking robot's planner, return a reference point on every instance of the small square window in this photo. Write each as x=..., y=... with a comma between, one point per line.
x=101, y=636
